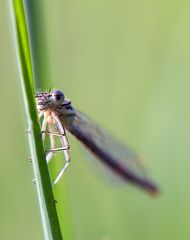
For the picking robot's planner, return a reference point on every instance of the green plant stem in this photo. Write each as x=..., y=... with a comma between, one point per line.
x=45, y=195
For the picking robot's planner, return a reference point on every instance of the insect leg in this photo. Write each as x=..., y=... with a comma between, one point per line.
x=40, y=114
x=68, y=159
x=53, y=149
x=44, y=126
x=65, y=146
x=50, y=152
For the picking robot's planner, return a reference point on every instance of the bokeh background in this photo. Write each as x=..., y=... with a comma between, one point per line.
x=127, y=65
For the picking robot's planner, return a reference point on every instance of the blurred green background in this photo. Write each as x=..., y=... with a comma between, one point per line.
x=126, y=64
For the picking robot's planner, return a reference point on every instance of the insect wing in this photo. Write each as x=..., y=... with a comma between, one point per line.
x=120, y=159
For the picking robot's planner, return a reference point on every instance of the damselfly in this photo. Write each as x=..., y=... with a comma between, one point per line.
x=59, y=116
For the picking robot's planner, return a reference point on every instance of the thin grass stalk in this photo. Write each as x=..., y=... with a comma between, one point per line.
x=44, y=190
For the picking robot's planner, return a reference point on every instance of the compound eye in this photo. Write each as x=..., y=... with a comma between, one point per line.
x=58, y=97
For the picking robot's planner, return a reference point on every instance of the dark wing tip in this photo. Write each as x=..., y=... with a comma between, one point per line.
x=153, y=190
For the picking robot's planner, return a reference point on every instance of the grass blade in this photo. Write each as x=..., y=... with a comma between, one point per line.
x=45, y=195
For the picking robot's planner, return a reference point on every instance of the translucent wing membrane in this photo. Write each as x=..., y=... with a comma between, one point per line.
x=57, y=111
x=119, y=158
